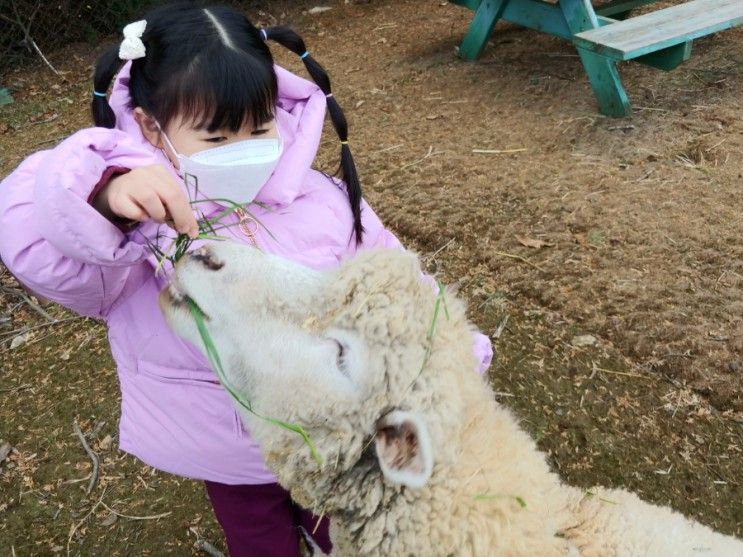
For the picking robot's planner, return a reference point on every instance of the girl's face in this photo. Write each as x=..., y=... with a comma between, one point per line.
x=188, y=139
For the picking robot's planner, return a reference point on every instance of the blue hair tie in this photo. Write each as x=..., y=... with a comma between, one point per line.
x=97, y=94
x=305, y=55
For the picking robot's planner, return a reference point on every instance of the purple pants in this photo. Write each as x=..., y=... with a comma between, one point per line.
x=263, y=521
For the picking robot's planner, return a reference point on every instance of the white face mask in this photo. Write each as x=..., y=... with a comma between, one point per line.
x=235, y=172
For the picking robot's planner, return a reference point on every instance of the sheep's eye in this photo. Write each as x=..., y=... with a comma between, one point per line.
x=206, y=258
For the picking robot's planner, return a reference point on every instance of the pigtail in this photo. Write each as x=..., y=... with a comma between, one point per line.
x=106, y=67
x=289, y=39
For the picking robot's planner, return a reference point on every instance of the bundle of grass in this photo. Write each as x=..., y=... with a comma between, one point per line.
x=178, y=247
x=209, y=229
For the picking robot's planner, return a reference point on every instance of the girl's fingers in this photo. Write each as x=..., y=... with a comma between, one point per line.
x=127, y=208
x=152, y=205
x=150, y=192
x=178, y=209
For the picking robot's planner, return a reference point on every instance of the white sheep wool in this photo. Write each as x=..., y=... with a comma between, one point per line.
x=359, y=357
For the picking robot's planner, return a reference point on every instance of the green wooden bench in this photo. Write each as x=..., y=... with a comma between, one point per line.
x=606, y=35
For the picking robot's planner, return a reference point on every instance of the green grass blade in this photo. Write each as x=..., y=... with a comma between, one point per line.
x=235, y=206
x=216, y=363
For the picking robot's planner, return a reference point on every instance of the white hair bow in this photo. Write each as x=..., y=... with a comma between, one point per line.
x=132, y=46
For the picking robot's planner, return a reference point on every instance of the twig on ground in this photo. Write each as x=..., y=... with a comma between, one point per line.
x=91, y=454
x=499, y=330
x=82, y=521
x=646, y=175
x=716, y=145
x=37, y=327
x=50, y=140
x=76, y=480
x=522, y=259
x=498, y=151
x=28, y=343
x=626, y=374
x=430, y=153
x=26, y=28
x=650, y=108
x=438, y=251
x=130, y=517
x=50, y=119
x=18, y=388
x=392, y=148
x=97, y=429
x=206, y=547
x=29, y=302
x=37, y=308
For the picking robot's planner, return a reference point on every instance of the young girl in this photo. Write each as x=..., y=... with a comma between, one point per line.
x=197, y=111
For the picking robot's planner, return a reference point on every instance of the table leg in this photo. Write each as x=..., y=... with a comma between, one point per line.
x=485, y=18
x=606, y=83
x=601, y=71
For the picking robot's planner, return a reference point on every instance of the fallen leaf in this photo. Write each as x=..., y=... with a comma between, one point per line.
x=5, y=449
x=19, y=340
x=533, y=243
x=583, y=340
x=105, y=443
x=110, y=519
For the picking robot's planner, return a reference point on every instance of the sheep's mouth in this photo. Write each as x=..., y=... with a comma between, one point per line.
x=176, y=297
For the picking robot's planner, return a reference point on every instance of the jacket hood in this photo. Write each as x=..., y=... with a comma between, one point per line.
x=300, y=113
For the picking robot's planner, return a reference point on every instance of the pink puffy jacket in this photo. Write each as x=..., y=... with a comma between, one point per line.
x=174, y=414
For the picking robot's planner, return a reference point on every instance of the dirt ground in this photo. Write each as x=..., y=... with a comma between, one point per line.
x=603, y=256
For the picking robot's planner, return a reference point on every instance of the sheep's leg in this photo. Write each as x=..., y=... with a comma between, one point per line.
x=615, y=523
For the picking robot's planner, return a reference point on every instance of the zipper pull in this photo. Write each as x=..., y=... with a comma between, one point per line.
x=247, y=225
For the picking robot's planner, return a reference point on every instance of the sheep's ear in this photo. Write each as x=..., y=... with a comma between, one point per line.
x=404, y=449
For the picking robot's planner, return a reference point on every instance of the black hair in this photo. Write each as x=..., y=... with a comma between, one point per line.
x=207, y=65
x=211, y=65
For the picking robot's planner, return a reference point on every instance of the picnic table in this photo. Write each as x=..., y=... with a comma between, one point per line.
x=607, y=34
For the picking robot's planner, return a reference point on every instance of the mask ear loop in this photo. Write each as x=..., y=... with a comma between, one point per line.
x=167, y=141
x=191, y=181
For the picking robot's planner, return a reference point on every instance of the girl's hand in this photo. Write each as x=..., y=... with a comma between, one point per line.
x=144, y=193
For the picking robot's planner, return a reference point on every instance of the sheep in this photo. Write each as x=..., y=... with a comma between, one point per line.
x=416, y=456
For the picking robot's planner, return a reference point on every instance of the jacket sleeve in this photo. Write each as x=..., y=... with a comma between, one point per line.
x=377, y=236
x=53, y=241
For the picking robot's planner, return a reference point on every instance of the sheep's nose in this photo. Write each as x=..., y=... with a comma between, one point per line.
x=205, y=256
